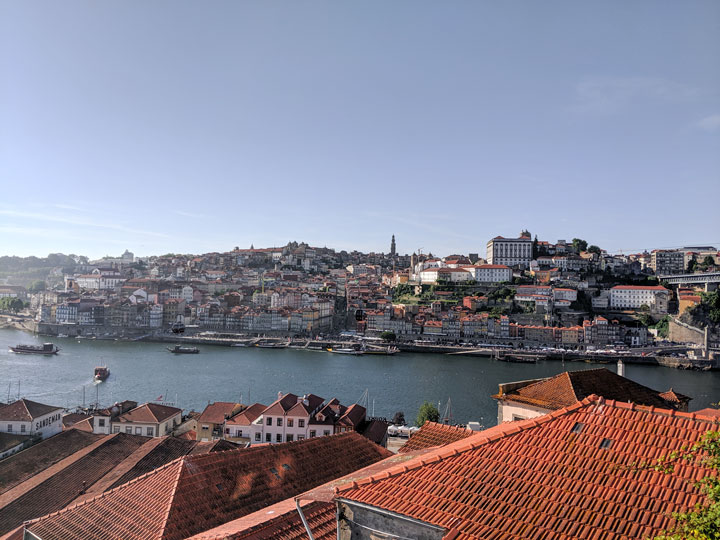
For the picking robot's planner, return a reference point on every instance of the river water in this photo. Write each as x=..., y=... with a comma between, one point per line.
x=145, y=371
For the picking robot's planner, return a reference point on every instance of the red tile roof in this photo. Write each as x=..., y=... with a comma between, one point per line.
x=572, y=386
x=24, y=410
x=150, y=413
x=215, y=413
x=249, y=415
x=196, y=493
x=550, y=477
x=433, y=434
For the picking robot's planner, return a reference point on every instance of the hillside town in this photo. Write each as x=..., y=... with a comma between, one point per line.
x=524, y=292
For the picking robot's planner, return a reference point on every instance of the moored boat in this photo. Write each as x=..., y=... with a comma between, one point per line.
x=381, y=350
x=345, y=351
x=272, y=345
x=180, y=349
x=101, y=373
x=45, y=348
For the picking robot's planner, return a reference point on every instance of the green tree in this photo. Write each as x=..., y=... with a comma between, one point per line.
x=427, y=411
x=388, y=336
x=594, y=249
x=701, y=522
x=692, y=264
x=707, y=261
x=579, y=244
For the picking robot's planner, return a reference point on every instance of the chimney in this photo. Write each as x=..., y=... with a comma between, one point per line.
x=280, y=395
x=620, y=367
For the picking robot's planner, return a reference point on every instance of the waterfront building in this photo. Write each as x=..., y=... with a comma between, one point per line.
x=532, y=398
x=25, y=417
x=242, y=427
x=211, y=422
x=149, y=420
x=511, y=251
x=655, y=297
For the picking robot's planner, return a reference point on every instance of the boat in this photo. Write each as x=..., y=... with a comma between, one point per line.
x=345, y=351
x=101, y=373
x=272, y=345
x=381, y=350
x=239, y=345
x=518, y=359
x=180, y=349
x=62, y=335
x=45, y=348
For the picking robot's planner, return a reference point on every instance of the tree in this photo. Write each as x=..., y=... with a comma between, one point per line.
x=701, y=522
x=399, y=419
x=708, y=261
x=594, y=249
x=579, y=244
x=427, y=411
x=388, y=336
x=692, y=264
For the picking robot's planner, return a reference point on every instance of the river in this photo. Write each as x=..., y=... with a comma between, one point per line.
x=145, y=371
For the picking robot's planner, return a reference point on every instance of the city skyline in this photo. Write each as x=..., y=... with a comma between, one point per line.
x=341, y=125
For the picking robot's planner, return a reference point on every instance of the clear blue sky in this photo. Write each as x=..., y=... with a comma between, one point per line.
x=177, y=126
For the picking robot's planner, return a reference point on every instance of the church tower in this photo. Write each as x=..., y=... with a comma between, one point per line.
x=392, y=246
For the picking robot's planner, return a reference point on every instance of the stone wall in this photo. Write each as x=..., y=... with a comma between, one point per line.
x=684, y=333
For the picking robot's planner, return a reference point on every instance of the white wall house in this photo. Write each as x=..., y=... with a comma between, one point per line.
x=27, y=417
x=634, y=297
x=150, y=420
x=492, y=273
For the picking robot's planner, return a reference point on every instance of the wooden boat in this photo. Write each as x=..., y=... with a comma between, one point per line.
x=45, y=348
x=345, y=351
x=101, y=373
x=180, y=349
x=272, y=345
x=381, y=350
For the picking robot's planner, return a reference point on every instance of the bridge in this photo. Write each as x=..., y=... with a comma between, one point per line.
x=709, y=279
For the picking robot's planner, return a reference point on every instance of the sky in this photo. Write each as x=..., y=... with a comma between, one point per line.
x=190, y=127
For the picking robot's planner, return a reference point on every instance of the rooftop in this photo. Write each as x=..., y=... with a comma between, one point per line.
x=24, y=410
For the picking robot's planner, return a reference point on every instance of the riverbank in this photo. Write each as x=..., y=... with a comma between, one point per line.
x=646, y=356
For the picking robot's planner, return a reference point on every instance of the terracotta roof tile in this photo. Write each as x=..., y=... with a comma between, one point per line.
x=249, y=415
x=549, y=477
x=433, y=434
x=196, y=493
x=149, y=413
x=19, y=467
x=216, y=413
x=572, y=386
x=24, y=410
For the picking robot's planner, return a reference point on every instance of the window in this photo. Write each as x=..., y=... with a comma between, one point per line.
x=138, y=431
x=116, y=429
x=288, y=438
x=269, y=421
x=577, y=428
x=605, y=444
x=9, y=428
x=516, y=417
x=22, y=428
x=278, y=437
x=257, y=437
x=301, y=437
x=268, y=437
x=312, y=433
x=205, y=426
x=301, y=423
x=326, y=432
x=128, y=430
x=149, y=432
x=290, y=422
x=101, y=422
x=279, y=422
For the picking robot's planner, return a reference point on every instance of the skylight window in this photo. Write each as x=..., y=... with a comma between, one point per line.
x=606, y=443
x=577, y=428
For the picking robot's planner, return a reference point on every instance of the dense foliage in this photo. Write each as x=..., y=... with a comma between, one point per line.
x=427, y=411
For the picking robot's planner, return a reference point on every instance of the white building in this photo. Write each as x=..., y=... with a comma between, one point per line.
x=491, y=273
x=634, y=297
x=455, y=275
x=510, y=251
x=150, y=420
x=27, y=417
